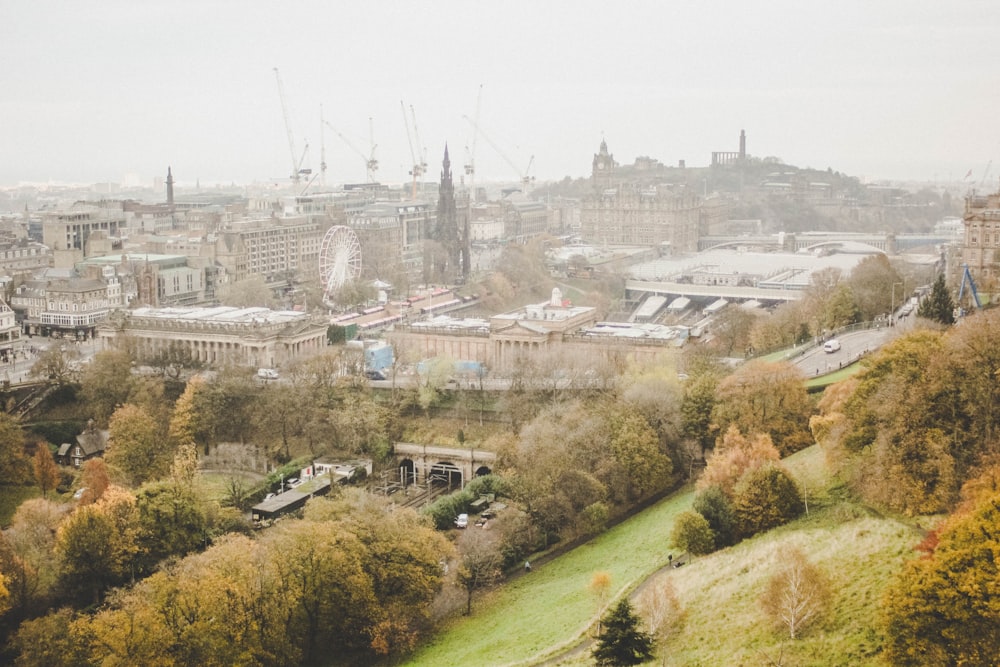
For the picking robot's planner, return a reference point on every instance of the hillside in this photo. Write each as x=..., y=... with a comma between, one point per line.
x=539, y=618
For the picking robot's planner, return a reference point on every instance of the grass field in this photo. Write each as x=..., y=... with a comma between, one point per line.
x=535, y=617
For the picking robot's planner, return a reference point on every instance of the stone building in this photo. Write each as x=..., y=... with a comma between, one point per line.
x=255, y=337
x=64, y=302
x=638, y=214
x=67, y=232
x=635, y=207
x=981, y=240
x=551, y=334
x=10, y=332
x=274, y=248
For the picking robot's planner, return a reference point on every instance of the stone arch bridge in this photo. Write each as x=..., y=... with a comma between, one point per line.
x=454, y=466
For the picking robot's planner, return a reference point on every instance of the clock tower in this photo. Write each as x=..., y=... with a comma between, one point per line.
x=604, y=166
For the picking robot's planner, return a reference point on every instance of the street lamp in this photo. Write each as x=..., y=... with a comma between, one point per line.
x=892, y=305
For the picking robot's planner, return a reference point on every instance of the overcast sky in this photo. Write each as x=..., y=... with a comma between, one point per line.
x=117, y=90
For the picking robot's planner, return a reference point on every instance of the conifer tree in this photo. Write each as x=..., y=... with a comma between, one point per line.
x=622, y=642
x=938, y=305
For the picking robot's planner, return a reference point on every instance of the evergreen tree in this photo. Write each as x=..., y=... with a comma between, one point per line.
x=938, y=305
x=622, y=642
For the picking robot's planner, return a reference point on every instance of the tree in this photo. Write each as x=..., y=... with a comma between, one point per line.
x=107, y=383
x=734, y=456
x=764, y=498
x=90, y=550
x=172, y=360
x=183, y=427
x=26, y=549
x=171, y=522
x=622, y=642
x=712, y=503
x=46, y=471
x=252, y=291
x=938, y=305
x=47, y=641
x=663, y=612
x=600, y=587
x=14, y=465
x=868, y=282
x=643, y=467
x=136, y=449
x=56, y=364
x=480, y=564
x=696, y=410
x=692, y=534
x=765, y=397
x=944, y=609
x=94, y=479
x=797, y=595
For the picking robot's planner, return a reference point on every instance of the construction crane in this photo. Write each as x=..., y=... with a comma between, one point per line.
x=470, y=164
x=371, y=164
x=419, y=157
x=967, y=280
x=322, y=151
x=523, y=176
x=986, y=172
x=297, y=170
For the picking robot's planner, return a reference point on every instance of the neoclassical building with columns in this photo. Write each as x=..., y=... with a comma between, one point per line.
x=255, y=337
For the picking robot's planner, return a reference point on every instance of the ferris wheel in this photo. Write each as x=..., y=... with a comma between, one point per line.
x=339, y=260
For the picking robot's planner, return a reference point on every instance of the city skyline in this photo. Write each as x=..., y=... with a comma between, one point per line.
x=108, y=91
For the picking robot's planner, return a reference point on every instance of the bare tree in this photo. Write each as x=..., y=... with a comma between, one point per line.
x=662, y=610
x=797, y=594
x=480, y=565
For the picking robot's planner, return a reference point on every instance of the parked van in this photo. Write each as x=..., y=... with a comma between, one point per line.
x=831, y=345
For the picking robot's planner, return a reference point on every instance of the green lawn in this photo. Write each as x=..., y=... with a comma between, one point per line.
x=553, y=606
x=538, y=615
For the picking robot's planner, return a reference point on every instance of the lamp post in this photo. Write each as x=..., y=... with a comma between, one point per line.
x=892, y=305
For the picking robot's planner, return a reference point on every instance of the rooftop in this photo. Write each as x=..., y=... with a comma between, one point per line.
x=221, y=314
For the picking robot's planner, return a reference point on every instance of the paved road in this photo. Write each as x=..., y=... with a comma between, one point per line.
x=853, y=346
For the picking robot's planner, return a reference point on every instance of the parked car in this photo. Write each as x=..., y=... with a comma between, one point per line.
x=267, y=374
x=831, y=345
x=375, y=375
x=462, y=521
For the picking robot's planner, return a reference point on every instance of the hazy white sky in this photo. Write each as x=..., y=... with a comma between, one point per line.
x=95, y=91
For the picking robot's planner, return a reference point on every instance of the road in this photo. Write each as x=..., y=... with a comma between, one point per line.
x=814, y=361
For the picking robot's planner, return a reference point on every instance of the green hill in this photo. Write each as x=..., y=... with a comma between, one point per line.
x=540, y=618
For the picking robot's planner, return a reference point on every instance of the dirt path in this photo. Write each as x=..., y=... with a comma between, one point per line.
x=586, y=642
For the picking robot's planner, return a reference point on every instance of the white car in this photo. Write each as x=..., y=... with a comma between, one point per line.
x=462, y=521
x=831, y=345
x=267, y=374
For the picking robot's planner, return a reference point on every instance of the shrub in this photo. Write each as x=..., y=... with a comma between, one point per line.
x=444, y=510
x=713, y=504
x=765, y=497
x=692, y=534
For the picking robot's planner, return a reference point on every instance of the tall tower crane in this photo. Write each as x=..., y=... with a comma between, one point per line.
x=371, y=164
x=523, y=176
x=470, y=165
x=297, y=170
x=419, y=157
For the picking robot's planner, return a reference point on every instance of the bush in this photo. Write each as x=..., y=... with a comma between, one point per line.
x=444, y=510
x=764, y=498
x=713, y=504
x=692, y=534
x=488, y=484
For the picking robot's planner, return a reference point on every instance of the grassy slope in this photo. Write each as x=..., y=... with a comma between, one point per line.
x=553, y=605
x=527, y=619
